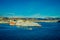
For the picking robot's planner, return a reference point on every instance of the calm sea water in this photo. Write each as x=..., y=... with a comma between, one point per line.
x=48, y=31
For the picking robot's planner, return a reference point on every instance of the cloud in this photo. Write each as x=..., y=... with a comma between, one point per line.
x=10, y=13
x=37, y=15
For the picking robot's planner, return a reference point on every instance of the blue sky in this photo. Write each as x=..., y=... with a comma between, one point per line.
x=30, y=8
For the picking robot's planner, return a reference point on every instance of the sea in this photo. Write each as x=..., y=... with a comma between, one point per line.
x=47, y=31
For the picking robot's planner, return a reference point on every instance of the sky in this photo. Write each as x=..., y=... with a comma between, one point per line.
x=30, y=8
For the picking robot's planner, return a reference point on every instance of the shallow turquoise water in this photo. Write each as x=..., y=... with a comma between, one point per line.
x=48, y=31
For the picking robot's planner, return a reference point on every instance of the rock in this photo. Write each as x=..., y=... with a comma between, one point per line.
x=26, y=23
x=59, y=21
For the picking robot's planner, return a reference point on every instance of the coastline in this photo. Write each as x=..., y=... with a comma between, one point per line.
x=46, y=21
x=33, y=21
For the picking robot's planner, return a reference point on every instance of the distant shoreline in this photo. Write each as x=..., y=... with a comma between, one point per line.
x=32, y=21
x=46, y=21
x=7, y=20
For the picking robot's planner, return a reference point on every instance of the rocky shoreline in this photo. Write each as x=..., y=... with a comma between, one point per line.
x=35, y=21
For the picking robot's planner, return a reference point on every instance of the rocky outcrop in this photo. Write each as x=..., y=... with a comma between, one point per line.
x=26, y=23
x=59, y=21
